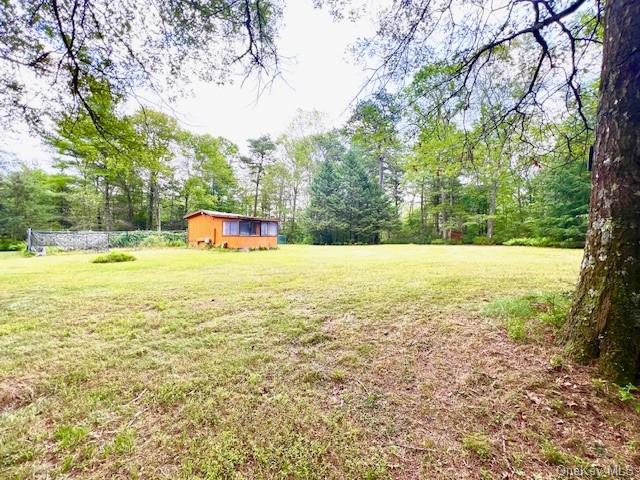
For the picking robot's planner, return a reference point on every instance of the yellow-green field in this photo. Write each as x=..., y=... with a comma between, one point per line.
x=305, y=362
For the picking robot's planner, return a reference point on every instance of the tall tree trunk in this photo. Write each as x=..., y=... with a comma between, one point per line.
x=604, y=321
x=520, y=212
x=281, y=212
x=151, y=200
x=451, y=202
x=436, y=202
x=108, y=218
x=99, y=211
x=443, y=214
x=130, y=213
x=381, y=171
x=493, y=200
x=255, y=197
x=294, y=206
x=422, y=205
x=158, y=216
x=396, y=194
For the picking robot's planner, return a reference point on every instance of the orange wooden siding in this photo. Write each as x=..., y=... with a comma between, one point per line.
x=202, y=227
x=250, y=242
x=201, y=230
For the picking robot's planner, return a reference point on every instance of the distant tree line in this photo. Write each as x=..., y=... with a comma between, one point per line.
x=146, y=175
x=413, y=166
x=367, y=182
x=431, y=162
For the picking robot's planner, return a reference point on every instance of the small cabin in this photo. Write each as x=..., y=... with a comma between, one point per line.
x=229, y=230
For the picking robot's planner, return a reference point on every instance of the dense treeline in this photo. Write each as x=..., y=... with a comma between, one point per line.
x=374, y=180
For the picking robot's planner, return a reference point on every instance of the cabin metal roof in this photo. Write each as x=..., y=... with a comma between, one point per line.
x=213, y=213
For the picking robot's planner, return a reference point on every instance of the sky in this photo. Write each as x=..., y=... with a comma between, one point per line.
x=318, y=74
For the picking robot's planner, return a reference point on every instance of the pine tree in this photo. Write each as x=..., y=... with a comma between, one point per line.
x=321, y=218
x=25, y=202
x=346, y=205
x=364, y=207
x=262, y=150
x=561, y=203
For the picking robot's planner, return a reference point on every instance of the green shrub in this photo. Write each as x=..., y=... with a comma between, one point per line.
x=12, y=245
x=543, y=242
x=629, y=393
x=483, y=241
x=176, y=243
x=153, y=241
x=114, y=257
x=553, y=308
x=440, y=241
x=162, y=240
x=529, y=242
x=147, y=239
x=512, y=242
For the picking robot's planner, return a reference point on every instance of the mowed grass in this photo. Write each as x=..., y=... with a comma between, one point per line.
x=305, y=362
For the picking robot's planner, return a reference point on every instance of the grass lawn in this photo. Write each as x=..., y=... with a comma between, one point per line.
x=306, y=362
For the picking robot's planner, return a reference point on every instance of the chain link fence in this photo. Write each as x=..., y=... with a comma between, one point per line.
x=38, y=240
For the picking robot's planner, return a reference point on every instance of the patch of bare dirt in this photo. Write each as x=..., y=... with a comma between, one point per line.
x=15, y=393
x=428, y=387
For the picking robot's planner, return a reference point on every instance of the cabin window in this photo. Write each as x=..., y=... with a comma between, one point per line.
x=249, y=228
x=269, y=229
x=230, y=228
x=245, y=228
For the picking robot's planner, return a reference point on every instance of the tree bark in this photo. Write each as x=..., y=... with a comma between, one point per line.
x=396, y=194
x=128, y=195
x=493, y=201
x=293, y=207
x=422, y=205
x=257, y=192
x=443, y=213
x=152, y=198
x=99, y=212
x=107, y=206
x=255, y=197
x=436, y=202
x=159, y=216
x=604, y=321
